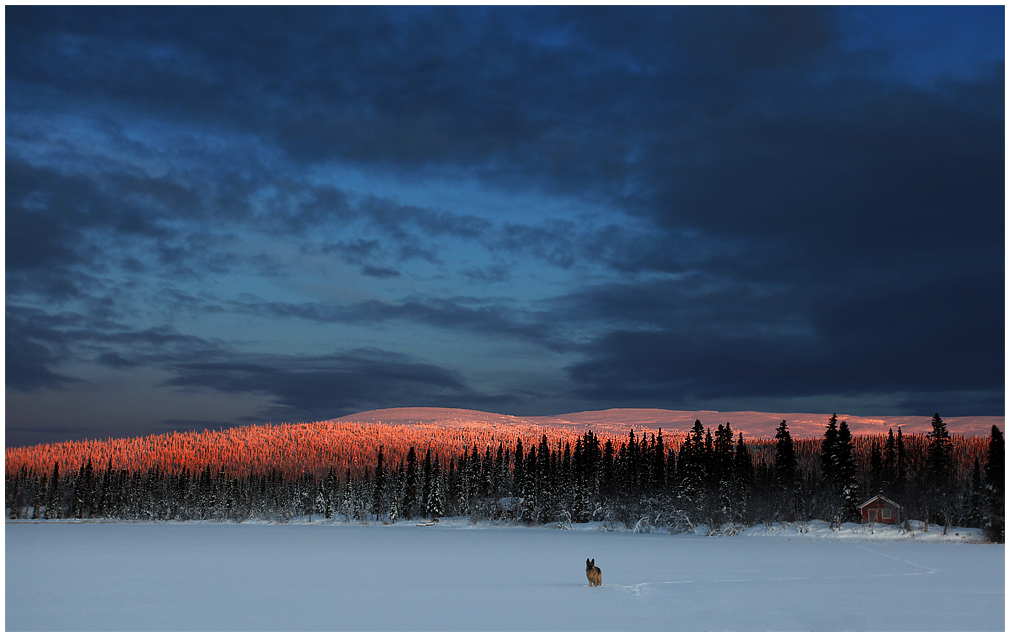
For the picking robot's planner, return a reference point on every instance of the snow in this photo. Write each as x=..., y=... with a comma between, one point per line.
x=458, y=576
x=617, y=422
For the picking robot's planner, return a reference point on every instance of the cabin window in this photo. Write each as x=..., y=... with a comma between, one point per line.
x=885, y=513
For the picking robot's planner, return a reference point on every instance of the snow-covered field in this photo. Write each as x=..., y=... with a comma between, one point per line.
x=454, y=576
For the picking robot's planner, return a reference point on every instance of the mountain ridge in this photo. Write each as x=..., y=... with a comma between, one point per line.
x=617, y=421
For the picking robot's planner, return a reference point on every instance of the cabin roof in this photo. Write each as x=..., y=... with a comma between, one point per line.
x=880, y=497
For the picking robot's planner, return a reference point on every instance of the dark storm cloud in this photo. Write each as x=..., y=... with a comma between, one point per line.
x=785, y=212
x=39, y=342
x=329, y=386
x=481, y=316
x=296, y=386
x=63, y=229
x=29, y=364
x=707, y=340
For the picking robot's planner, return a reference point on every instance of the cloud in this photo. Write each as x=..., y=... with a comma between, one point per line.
x=482, y=317
x=327, y=386
x=705, y=342
x=296, y=386
x=754, y=199
x=39, y=342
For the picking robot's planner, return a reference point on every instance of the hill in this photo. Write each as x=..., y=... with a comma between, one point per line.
x=617, y=422
x=352, y=442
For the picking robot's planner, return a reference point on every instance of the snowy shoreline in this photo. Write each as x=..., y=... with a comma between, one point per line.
x=813, y=530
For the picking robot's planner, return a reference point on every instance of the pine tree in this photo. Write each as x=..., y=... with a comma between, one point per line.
x=708, y=460
x=829, y=452
x=723, y=464
x=607, y=477
x=976, y=502
x=845, y=473
x=498, y=474
x=723, y=453
x=426, y=484
x=743, y=477
x=486, y=474
x=436, y=495
x=379, y=487
x=410, y=485
x=659, y=465
x=545, y=486
x=901, y=460
x=529, y=509
x=518, y=477
x=939, y=488
x=995, y=513
x=328, y=487
x=876, y=468
x=890, y=461
x=101, y=507
x=53, y=496
x=785, y=470
x=347, y=502
x=938, y=452
x=37, y=497
x=394, y=501
x=691, y=469
x=319, y=506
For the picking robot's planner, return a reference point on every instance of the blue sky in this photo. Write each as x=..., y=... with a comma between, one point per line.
x=217, y=216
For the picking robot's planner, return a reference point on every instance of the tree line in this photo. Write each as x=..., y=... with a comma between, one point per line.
x=711, y=478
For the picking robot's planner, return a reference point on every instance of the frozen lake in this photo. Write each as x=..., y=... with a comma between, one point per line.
x=298, y=577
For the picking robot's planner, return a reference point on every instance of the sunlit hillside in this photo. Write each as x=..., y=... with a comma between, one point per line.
x=345, y=444
x=292, y=449
x=617, y=422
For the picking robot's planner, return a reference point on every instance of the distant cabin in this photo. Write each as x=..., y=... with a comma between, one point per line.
x=880, y=509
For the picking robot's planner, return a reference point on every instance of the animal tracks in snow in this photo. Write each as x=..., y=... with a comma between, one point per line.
x=636, y=589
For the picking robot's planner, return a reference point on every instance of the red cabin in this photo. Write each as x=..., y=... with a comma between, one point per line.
x=880, y=509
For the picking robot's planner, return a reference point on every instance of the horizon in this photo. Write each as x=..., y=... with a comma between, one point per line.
x=754, y=426
x=218, y=216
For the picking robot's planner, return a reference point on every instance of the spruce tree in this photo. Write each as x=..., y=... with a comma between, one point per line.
x=659, y=465
x=938, y=452
x=607, y=477
x=976, y=502
x=829, y=452
x=379, y=487
x=723, y=453
x=545, y=480
x=939, y=488
x=409, y=509
x=994, y=486
x=426, y=484
x=876, y=468
x=691, y=470
x=518, y=475
x=890, y=461
x=785, y=471
x=436, y=495
x=708, y=460
x=845, y=473
x=743, y=477
x=53, y=496
x=901, y=460
x=487, y=474
x=723, y=465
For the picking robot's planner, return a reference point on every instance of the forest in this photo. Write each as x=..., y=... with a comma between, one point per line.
x=703, y=480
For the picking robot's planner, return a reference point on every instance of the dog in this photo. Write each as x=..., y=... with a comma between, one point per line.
x=593, y=573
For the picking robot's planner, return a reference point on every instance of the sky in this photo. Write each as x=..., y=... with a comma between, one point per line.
x=222, y=216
